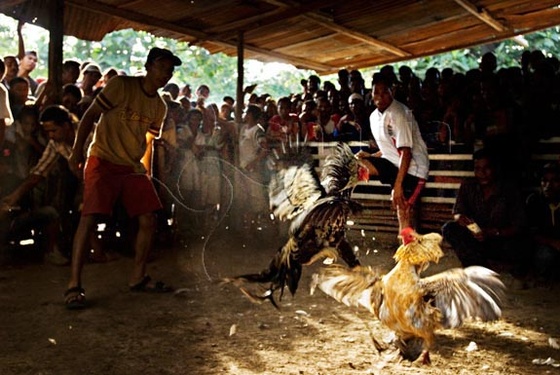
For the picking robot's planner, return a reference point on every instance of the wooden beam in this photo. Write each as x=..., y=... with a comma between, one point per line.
x=283, y=13
x=325, y=22
x=330, y=24
x=483, y=15
x=95, y=6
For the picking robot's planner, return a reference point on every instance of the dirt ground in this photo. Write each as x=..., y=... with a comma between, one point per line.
x=208, y=328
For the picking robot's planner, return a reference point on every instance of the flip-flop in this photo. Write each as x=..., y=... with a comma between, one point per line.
x=75, y=298
x=147, y=287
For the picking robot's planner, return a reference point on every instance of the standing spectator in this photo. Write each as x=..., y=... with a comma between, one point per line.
x=283, y=128
x=70, y=75
x=18, y=94
x=253, y=151
x=118, y=165
x=402, y=159
x=6, y=118
x=29, y=141
x=208, y=145
x=12, y=68
x=489, y=220
x=91, y=74
x=27, y=61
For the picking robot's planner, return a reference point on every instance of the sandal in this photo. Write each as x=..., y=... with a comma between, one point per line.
x=147, y=287
x=75, y=298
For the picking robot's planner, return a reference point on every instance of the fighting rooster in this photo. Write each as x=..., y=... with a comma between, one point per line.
x=318, y=210
x=412, y=306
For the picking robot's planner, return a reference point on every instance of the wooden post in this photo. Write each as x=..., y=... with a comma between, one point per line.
x=240, y=62
x=56, y=29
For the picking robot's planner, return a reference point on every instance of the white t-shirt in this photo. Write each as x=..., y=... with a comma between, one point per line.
x=396, y=128
x=249, y=144
x=128, y=114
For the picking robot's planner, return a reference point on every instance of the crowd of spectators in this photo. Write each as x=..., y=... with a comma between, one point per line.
x=201, y=148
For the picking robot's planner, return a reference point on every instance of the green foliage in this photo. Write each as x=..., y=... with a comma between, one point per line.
x=127, y=50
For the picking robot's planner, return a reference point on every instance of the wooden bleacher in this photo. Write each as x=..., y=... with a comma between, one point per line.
x=447, y=170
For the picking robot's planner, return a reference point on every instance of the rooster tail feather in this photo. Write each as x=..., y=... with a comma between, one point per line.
x=357, y=287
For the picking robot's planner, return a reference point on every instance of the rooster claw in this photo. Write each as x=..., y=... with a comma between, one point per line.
x=268, y=295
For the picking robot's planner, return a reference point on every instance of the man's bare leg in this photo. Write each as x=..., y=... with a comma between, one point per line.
x=142, y=246
x=80, y=248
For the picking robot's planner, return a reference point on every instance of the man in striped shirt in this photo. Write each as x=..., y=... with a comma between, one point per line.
x=58, y=124
x=129, y=113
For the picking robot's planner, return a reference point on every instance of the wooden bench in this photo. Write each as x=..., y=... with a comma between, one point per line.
x=446, y=173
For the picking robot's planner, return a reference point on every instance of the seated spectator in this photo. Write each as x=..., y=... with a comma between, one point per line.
x=308, y=120
x=544, y=224
x=59, y=125
x=351, y=125
x=24, y=221
x=326, y=120
x=489, y=224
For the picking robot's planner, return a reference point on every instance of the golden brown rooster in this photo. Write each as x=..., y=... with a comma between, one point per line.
x=412, y=306
x=318, y=210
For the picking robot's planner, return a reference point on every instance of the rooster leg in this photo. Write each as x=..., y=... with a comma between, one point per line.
x=426, y=358
x=347, y=253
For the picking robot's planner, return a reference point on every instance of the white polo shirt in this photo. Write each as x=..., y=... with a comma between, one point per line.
x=395, y=128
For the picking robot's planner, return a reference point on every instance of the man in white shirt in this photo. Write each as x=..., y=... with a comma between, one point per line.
x=402, y=160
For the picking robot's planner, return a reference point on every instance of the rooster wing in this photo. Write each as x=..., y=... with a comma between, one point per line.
x=473, y=292
x=293, y=190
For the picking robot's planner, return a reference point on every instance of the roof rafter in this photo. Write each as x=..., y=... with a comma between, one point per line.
x=483, y=15
x=325, y=22
x=331, y=25
x=284, y=12
x=156, y=22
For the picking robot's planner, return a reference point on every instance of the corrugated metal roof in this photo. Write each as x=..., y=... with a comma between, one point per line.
x=322, y=35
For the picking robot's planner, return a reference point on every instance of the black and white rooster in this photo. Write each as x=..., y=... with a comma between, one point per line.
x=318, y=210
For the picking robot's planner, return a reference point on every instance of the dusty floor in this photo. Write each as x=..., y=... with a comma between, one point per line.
x=208, y=328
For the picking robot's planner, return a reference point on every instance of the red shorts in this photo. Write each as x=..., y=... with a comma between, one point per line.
x=105, y=182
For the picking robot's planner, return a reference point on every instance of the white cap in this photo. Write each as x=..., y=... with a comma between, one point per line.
x=355, y=96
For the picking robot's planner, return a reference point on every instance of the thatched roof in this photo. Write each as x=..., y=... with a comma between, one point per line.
x=323, y=35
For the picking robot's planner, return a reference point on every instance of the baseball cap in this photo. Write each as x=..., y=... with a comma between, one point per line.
x=92, y=68
x=162, y=53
